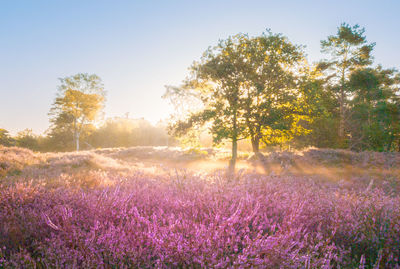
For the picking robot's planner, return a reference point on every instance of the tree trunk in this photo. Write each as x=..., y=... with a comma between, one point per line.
x=341, y=116
x=255, y=144
x=76, y=135
x=398, y=146
x=389, y=145
x=77, y=141
x=342, y=104
x=232, y=162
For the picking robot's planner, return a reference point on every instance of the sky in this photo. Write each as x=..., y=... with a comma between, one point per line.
x=138, y=47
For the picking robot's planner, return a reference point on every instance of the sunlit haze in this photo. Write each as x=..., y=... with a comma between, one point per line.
x=199, y=134
x=137, y=47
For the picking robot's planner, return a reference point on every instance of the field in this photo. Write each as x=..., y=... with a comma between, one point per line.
x=166, y=208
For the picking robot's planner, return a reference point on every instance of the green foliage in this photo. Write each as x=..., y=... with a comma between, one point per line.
x=375, y=118
x=348, y=51
x=358, y=101
x=251, y=87
x=5, y=138
x=251, y=90
x=274, y=99
x=348, y=48
x=199, y=153
x=261, y=89
x=217, y=77
x=323, y=113
x=26, y=139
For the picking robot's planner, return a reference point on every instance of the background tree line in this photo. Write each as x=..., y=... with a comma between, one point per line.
x=74, y=118
x=114, y=132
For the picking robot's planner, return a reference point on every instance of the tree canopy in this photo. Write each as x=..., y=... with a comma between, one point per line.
x=348, y=51
x=79, y=102
x=251, y=87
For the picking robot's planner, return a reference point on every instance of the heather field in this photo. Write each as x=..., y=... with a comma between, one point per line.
x=169, y=208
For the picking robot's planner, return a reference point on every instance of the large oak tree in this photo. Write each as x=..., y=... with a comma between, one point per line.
x=251, y=88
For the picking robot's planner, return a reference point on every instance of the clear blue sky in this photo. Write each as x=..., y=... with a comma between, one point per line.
x=137, y=47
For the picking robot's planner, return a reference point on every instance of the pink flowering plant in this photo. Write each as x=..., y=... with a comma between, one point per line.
x=131, y=219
